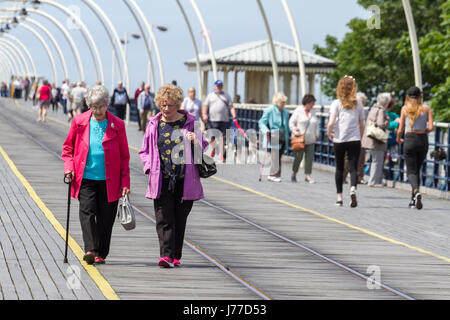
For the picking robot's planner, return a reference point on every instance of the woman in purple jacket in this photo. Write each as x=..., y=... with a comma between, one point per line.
x=174, y=182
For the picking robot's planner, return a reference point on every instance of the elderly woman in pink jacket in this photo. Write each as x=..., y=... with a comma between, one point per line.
x=174, y=181
x=96, y=160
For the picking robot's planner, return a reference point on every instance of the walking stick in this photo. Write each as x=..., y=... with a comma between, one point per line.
x=265, y=155
x=68, y=182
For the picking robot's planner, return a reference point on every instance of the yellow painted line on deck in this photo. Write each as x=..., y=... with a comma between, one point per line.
x=93, y=272
x=373, y=234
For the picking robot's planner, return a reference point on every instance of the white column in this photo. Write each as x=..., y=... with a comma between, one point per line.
x=225, y=80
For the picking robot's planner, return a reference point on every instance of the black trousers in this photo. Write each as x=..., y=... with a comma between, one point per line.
x=352, y=148
x=171, y=216
x=120, y=110
x=97, y=217
x=415, y=150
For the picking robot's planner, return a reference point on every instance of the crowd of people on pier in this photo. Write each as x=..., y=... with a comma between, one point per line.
x=96, y=153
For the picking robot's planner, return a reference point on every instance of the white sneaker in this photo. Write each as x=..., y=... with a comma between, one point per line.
x=273, y=179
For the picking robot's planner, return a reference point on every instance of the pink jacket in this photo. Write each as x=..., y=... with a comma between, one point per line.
x=152, y=166
x=115, y=146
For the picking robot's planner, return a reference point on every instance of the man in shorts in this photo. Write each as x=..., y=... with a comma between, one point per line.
x=216, y=113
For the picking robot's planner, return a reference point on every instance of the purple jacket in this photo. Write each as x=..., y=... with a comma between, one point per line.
x=152, y=166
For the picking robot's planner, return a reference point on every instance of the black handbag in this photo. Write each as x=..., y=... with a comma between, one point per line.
x=206, y=165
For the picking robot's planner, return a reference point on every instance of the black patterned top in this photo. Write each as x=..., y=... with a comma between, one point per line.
x=171, y=150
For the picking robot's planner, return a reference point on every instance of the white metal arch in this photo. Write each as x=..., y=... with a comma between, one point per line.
x=19, y=53
x=69, y=39
x=16, y=52
x=104, y=18
x=93, y=7
x=6, y=71
x=98, y=63
x=208, y=38
x=194, y=43
x=152, y=36
x=55, y=44
x=11, y=62
x=12, y=57
x=144, y=36
x=27, y=52
x=301, y=64
x=414, y=43
x=273, y=56
x=47, y=49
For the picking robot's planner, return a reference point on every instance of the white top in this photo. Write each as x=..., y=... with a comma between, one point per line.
x=65, y=90
x=78, y=93
x=347, y=127
x=298, y=123
x=219, y=106
x=193, y=107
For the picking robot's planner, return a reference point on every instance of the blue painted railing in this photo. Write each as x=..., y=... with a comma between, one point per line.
x=435, y=173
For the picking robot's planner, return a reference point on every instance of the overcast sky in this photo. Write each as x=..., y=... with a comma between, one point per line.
x=231, y=22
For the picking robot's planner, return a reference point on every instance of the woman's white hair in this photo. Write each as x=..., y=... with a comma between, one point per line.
x=278, y=98
x=384, y=98
x=97, y=95
x=360, y=96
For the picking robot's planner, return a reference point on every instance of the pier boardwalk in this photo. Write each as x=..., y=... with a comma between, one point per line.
x=247, y=239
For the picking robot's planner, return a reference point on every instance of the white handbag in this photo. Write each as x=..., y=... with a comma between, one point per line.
x=375, y=132
x=125, y=214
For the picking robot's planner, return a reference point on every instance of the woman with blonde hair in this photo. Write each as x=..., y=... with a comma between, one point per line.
x=347, y=122
x=174, y=181
x=418, y=121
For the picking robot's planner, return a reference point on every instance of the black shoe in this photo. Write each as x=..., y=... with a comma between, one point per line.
x=340, y=203
x=354, y=203
x=418, y=200
x=412, y=204
x=294, y=179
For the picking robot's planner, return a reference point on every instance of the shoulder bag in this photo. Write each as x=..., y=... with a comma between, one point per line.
x=206, y=165
x=298, y=142
x=375, y=132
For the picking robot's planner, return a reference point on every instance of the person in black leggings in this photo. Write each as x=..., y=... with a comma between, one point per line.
x=345, y=128
x=416, y=120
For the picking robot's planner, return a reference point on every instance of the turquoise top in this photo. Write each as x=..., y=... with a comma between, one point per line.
x=273, y=120
x=95, y=163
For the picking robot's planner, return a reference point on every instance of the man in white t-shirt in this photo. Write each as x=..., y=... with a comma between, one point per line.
x=216, y=113
x=65, y=95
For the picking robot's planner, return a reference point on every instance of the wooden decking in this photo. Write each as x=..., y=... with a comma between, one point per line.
x=408, y=247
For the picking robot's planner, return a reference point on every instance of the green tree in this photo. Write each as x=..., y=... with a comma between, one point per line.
x=380, y=59
x=435, y=48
